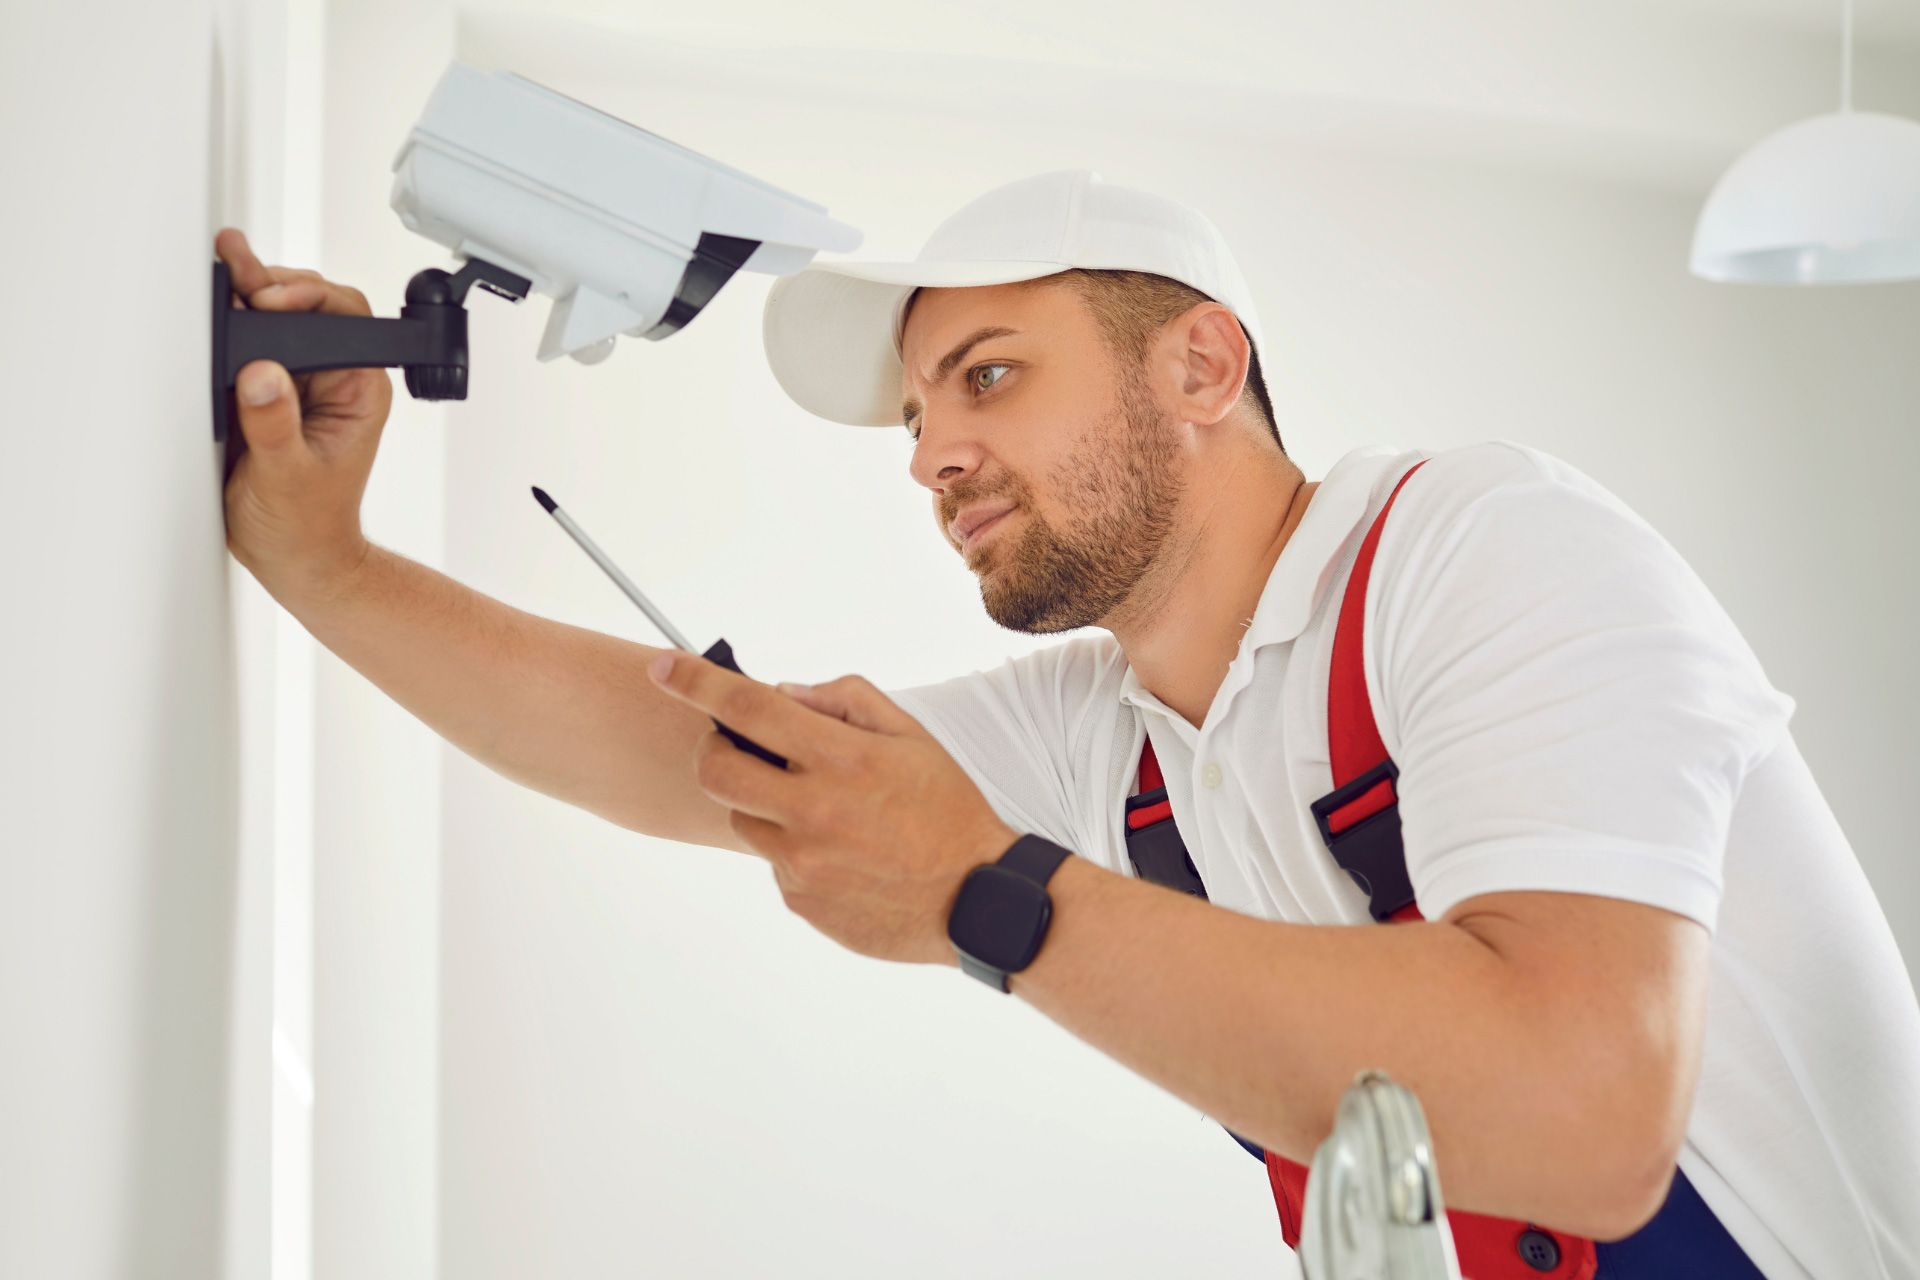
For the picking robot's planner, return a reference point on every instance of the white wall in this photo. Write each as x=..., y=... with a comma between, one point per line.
x=162, y=741
x=377, y=841
x=648, y=1066
x=270, y=55
x=133, y=991
x=266, y=121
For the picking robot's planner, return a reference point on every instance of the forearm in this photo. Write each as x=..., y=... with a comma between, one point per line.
x=1263, y=1025
x=561, y=709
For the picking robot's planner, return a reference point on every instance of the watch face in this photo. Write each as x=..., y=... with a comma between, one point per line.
x=1000, y=917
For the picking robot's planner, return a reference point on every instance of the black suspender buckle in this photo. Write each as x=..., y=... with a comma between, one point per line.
x=1159, y=853
x=1370, y=850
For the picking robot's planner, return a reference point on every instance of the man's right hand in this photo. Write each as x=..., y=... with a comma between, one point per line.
x=300, y=467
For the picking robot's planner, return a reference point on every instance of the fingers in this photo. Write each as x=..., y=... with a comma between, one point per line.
x=745, y=783
x=309, y=292
x=854, y=700
x=283, y=288
x=748, y=707
x=313, y=293
x=272, y=429
x=245, y=270
x=248, y=275
x=263, y=299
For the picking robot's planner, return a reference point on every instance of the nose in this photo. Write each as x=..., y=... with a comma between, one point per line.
x=946, y=452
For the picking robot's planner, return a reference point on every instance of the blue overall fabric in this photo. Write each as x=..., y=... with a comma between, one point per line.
x=1684, y=1241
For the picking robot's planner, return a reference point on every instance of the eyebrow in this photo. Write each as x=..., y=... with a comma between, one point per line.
x=911, y=408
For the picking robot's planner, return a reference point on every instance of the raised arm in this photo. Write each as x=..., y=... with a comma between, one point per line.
x=564, y=710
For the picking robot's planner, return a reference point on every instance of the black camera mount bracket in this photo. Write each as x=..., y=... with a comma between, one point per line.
x=428, y=340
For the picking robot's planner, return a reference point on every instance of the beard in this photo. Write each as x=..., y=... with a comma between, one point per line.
x=1122, y=486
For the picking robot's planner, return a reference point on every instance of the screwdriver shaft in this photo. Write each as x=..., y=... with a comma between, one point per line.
x=620, y=579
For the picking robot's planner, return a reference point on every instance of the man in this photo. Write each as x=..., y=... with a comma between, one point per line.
x=1654, y=1016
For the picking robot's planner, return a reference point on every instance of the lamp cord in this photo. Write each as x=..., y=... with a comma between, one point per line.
x=1846, y=55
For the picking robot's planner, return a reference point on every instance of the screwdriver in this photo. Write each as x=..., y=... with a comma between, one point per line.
x=720, y=653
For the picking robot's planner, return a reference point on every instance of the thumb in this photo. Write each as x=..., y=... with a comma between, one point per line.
x=854, y=700
x=269, y=412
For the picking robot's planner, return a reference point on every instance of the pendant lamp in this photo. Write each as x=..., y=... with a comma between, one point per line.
x=1834, y=199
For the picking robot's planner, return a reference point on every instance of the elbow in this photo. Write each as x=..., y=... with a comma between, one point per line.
x=1608, y=1045
x=1603, y=1204
x=1636, y=1156
x=1632, y=1198
x=1628, y=1147
x=1636, y=1107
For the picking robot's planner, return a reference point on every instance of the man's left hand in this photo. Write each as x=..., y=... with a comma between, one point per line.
x=871, y=827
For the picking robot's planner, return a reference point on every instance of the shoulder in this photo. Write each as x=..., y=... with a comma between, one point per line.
x=1511, y=570
x=1451, y=481
x=1499, y=507
x=1497, y=554
x=1033, y=732
x=1072, y=668
x=1045, y=694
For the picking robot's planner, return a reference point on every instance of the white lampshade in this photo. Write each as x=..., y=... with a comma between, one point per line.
x=1834, y=199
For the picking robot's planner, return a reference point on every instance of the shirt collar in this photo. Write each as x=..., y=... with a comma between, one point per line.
x=1305, y=565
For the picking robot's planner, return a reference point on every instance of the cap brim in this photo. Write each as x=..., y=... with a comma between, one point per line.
x=829, y=330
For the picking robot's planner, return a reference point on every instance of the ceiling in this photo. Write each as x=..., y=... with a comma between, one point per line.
x=1873, y=19
x=1656, y=91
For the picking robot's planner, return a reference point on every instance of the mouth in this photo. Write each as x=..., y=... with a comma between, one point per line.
x=981, y=530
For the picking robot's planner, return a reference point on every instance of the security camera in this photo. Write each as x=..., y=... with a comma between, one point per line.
x=626, y=231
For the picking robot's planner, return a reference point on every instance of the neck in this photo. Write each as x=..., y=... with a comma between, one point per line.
x=1186, y=619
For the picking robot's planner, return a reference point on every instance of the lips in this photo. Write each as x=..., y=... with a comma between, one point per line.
x=980, y=529
x=967, y=522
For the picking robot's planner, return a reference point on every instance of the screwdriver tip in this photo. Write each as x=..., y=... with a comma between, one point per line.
x=545, y=501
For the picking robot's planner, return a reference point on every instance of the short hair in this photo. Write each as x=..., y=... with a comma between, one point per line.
x=1132, y=306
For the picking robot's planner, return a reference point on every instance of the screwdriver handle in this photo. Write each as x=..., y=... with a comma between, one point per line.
x=720, y=653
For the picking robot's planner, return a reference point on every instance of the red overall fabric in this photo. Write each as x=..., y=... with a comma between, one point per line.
x=1487, y=1248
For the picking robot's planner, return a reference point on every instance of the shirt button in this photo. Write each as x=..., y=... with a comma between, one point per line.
x=1210, y=776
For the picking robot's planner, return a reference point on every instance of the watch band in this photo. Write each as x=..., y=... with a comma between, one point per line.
x=1033, y=859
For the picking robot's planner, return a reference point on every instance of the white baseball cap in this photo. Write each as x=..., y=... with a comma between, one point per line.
x=832, y=331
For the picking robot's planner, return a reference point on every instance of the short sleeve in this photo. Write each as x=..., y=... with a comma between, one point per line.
x=1020, y=730
x=1569, y=706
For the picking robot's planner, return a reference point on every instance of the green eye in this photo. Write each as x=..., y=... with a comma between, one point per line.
x=974, y=380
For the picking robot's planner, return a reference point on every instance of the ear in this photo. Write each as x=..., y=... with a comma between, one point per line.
x=1214, y=357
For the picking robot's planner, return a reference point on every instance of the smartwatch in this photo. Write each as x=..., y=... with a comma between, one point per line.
x=1001, y=913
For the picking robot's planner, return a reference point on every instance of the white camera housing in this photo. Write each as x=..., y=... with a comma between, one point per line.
x=626, y=231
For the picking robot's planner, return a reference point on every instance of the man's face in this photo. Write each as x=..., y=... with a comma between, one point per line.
x=1039, y=422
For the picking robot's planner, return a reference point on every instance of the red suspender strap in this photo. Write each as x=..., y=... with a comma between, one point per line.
x=1361, y=822
x=1150, y=780
x=1353, y=739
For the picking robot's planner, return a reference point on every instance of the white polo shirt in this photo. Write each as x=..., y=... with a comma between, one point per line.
x=1570, y=710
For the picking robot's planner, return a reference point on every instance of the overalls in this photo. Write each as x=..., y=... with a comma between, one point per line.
x=1360, y=822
